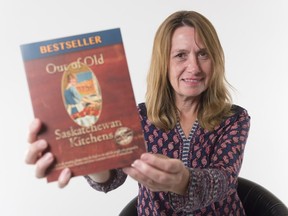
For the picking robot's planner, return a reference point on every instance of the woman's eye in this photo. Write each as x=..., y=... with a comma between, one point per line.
x=180, y=55
x=203, y=55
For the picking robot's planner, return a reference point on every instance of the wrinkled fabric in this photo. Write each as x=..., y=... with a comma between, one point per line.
x=213, y=159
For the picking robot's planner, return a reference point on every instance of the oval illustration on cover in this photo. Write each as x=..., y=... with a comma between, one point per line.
x=81, y=94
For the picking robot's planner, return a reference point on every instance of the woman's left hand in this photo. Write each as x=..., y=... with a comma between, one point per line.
x=160, y=173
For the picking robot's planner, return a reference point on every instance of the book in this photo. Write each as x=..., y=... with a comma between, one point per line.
x=80, y=88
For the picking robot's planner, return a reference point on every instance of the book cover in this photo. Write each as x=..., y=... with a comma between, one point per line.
x=81, y=90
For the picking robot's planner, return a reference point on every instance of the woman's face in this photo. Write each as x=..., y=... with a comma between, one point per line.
x=73, y=81
x=190, y=67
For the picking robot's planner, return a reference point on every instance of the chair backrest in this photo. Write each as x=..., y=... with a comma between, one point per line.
x=130, y=209
x=257, y=201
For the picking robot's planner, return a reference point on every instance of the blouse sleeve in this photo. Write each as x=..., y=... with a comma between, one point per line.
x=76, y=94
x=116, y=179
x=220, y=178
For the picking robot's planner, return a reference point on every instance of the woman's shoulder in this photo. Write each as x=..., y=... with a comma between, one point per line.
x=239, y=110
x=142, y=109
x=239, y=114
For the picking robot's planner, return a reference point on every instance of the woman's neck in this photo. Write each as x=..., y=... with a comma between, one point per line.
x=187, y=112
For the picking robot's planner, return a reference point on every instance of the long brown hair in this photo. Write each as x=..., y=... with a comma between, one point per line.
x=215, y=102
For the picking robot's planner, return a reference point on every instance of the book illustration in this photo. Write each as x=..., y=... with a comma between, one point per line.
x=81, y=94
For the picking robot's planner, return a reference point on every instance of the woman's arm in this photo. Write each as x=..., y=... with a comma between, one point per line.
x=109, y=181
x=220, y=178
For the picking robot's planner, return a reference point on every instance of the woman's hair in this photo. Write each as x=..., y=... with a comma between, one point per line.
x=71, y=76
x=215, y=102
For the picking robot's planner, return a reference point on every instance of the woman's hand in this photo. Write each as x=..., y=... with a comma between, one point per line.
x=35, y=155
x=160, y=173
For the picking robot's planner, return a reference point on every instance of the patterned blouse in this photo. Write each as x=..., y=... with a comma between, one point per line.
x=213, y=158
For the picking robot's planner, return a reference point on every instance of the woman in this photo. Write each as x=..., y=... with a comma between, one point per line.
x=194, y=132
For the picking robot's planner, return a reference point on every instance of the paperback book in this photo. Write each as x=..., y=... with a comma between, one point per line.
x=81, y=90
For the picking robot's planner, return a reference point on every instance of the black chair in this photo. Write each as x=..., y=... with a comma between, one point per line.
x=257, y=201
x=130, y=209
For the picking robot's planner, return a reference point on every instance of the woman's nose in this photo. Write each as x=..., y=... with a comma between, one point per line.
x=193, y=65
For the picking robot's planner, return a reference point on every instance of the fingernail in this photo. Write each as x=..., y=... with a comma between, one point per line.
x=134, y=164
x=65, y=174
x=42, y=143
x=34, y=124
x=125, y=169
x=48, y=156
x=144, y=156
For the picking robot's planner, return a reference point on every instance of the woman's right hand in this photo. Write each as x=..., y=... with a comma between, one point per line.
x=42, y=159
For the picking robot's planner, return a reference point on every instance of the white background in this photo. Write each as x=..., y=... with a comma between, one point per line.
x=254, y=37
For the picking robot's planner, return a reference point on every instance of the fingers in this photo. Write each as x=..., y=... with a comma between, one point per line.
x=35, y=151
x=35, y=154
x=156, y=175
x=42, y=164
x=144, y=179
x=34, y=129
x=64, y=177
x=154, y=179
x=159, y=174
x=162, y=162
